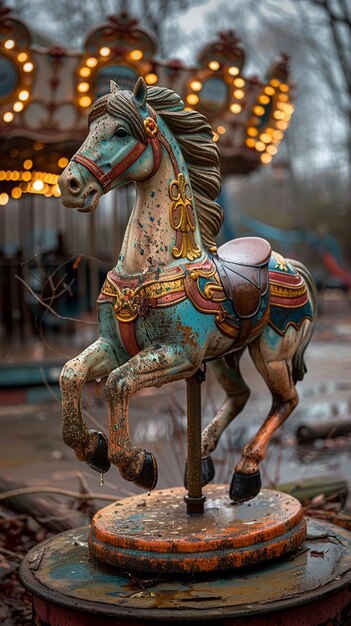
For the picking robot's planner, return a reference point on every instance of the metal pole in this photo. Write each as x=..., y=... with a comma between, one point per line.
x=194, y=498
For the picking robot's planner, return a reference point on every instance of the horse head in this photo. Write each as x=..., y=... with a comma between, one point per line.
x=119, y=148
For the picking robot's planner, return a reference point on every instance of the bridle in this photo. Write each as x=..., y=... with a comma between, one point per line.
x=155, y=138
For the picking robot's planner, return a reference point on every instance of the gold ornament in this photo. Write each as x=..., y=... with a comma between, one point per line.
x=183, y=220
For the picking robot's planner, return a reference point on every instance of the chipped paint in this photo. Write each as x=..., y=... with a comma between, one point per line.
x=173, y=225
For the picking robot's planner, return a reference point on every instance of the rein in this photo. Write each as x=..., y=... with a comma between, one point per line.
x=155, y=138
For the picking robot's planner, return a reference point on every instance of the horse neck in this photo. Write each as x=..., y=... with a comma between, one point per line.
x=150, y=238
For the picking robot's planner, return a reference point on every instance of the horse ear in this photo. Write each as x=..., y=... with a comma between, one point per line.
x=114, y=87
x=140, y=91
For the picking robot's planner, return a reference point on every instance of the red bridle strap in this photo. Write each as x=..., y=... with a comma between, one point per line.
x=105, y=178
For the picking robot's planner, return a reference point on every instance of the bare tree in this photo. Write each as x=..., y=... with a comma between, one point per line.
x=68, y=21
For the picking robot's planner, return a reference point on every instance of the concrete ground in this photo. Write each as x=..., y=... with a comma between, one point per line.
x=32, y=451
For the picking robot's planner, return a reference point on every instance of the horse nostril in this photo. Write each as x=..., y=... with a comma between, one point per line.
x=73, y=184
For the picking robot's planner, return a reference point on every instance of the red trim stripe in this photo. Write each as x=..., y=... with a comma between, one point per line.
x=128, y=337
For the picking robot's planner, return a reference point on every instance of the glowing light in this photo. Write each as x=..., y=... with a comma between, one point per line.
x=213, y=65
x=215, y=136
x=274, y=82
x=250, y=142
x=28, y=164
x=238, y=94
x=258, y=110
x=28, y=67
x=15, y=175
x=22, y=57
x=85, y=101
x=239, y=82
x=104, y=51
x=270, y=91
x=83, y=87
x=4, y=198
x=23, y=95
x=277, y=135
x=136, y=55
x=38, y=185
x=264, y=99
x=16, y=192
x=56, y=191
x=260, y=146
x=272, y=150
x=84, y=71
x=91, y=62
x=265, y=158
x=282, y=125
x=151, y=78
x=283, y=97
x=221, y=130
x=278, y=115
x=9, y=44
x=192, y=98
x=233, y=70
x=266, y=138
x=196, y=85
x=18, y=106
x=62, y=162
x=8, y=117
x=26, y=176
x=283, y=87
x=235, y=108
x=252, y=131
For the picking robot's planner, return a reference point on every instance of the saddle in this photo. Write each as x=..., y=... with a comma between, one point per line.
x=242, y=265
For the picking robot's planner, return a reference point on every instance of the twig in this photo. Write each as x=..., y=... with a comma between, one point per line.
x=49, y=308
x=63, y=492
x=48, y=387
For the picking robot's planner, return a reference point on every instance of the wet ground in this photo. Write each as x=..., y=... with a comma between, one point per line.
x=31, y=449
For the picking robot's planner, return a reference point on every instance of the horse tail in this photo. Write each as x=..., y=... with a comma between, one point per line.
x=299, y=368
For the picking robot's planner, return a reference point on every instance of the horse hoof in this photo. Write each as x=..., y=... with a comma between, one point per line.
x=99, y=460
x=244, y=486
x=149, y=474
x=207, y=472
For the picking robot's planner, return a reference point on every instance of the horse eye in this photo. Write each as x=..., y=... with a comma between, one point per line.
x=121, y=132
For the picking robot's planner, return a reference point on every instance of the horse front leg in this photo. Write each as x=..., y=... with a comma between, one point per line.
x=153, y=367
x=90, y=446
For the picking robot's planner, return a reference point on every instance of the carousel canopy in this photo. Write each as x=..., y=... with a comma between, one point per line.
x=46, y=93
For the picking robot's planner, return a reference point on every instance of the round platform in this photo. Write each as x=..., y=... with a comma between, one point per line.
x=309, y=587
x=153, y=533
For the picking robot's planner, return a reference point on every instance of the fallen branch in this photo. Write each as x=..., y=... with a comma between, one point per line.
x=51, y=513
x=13, y=493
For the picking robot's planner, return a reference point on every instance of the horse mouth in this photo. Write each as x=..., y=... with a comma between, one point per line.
x=90, y=202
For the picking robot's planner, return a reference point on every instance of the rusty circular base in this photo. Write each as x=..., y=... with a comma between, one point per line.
x=309, y=587
x=153, y=533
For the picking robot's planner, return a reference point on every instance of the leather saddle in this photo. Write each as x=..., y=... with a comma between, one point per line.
x=242, y=265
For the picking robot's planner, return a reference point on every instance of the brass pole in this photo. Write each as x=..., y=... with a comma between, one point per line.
x=194, y=498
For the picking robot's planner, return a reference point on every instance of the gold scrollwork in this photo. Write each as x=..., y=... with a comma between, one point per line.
x=151, y=127
x=282, y=264
x=182, y=219
x=127, y=305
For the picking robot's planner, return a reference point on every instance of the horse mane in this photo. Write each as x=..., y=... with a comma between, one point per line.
x=194, y=135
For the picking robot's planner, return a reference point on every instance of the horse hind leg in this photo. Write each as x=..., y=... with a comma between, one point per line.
x=273, y=356
x=237, y=394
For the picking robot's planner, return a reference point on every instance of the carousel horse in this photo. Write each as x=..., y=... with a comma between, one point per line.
x=173, y=300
